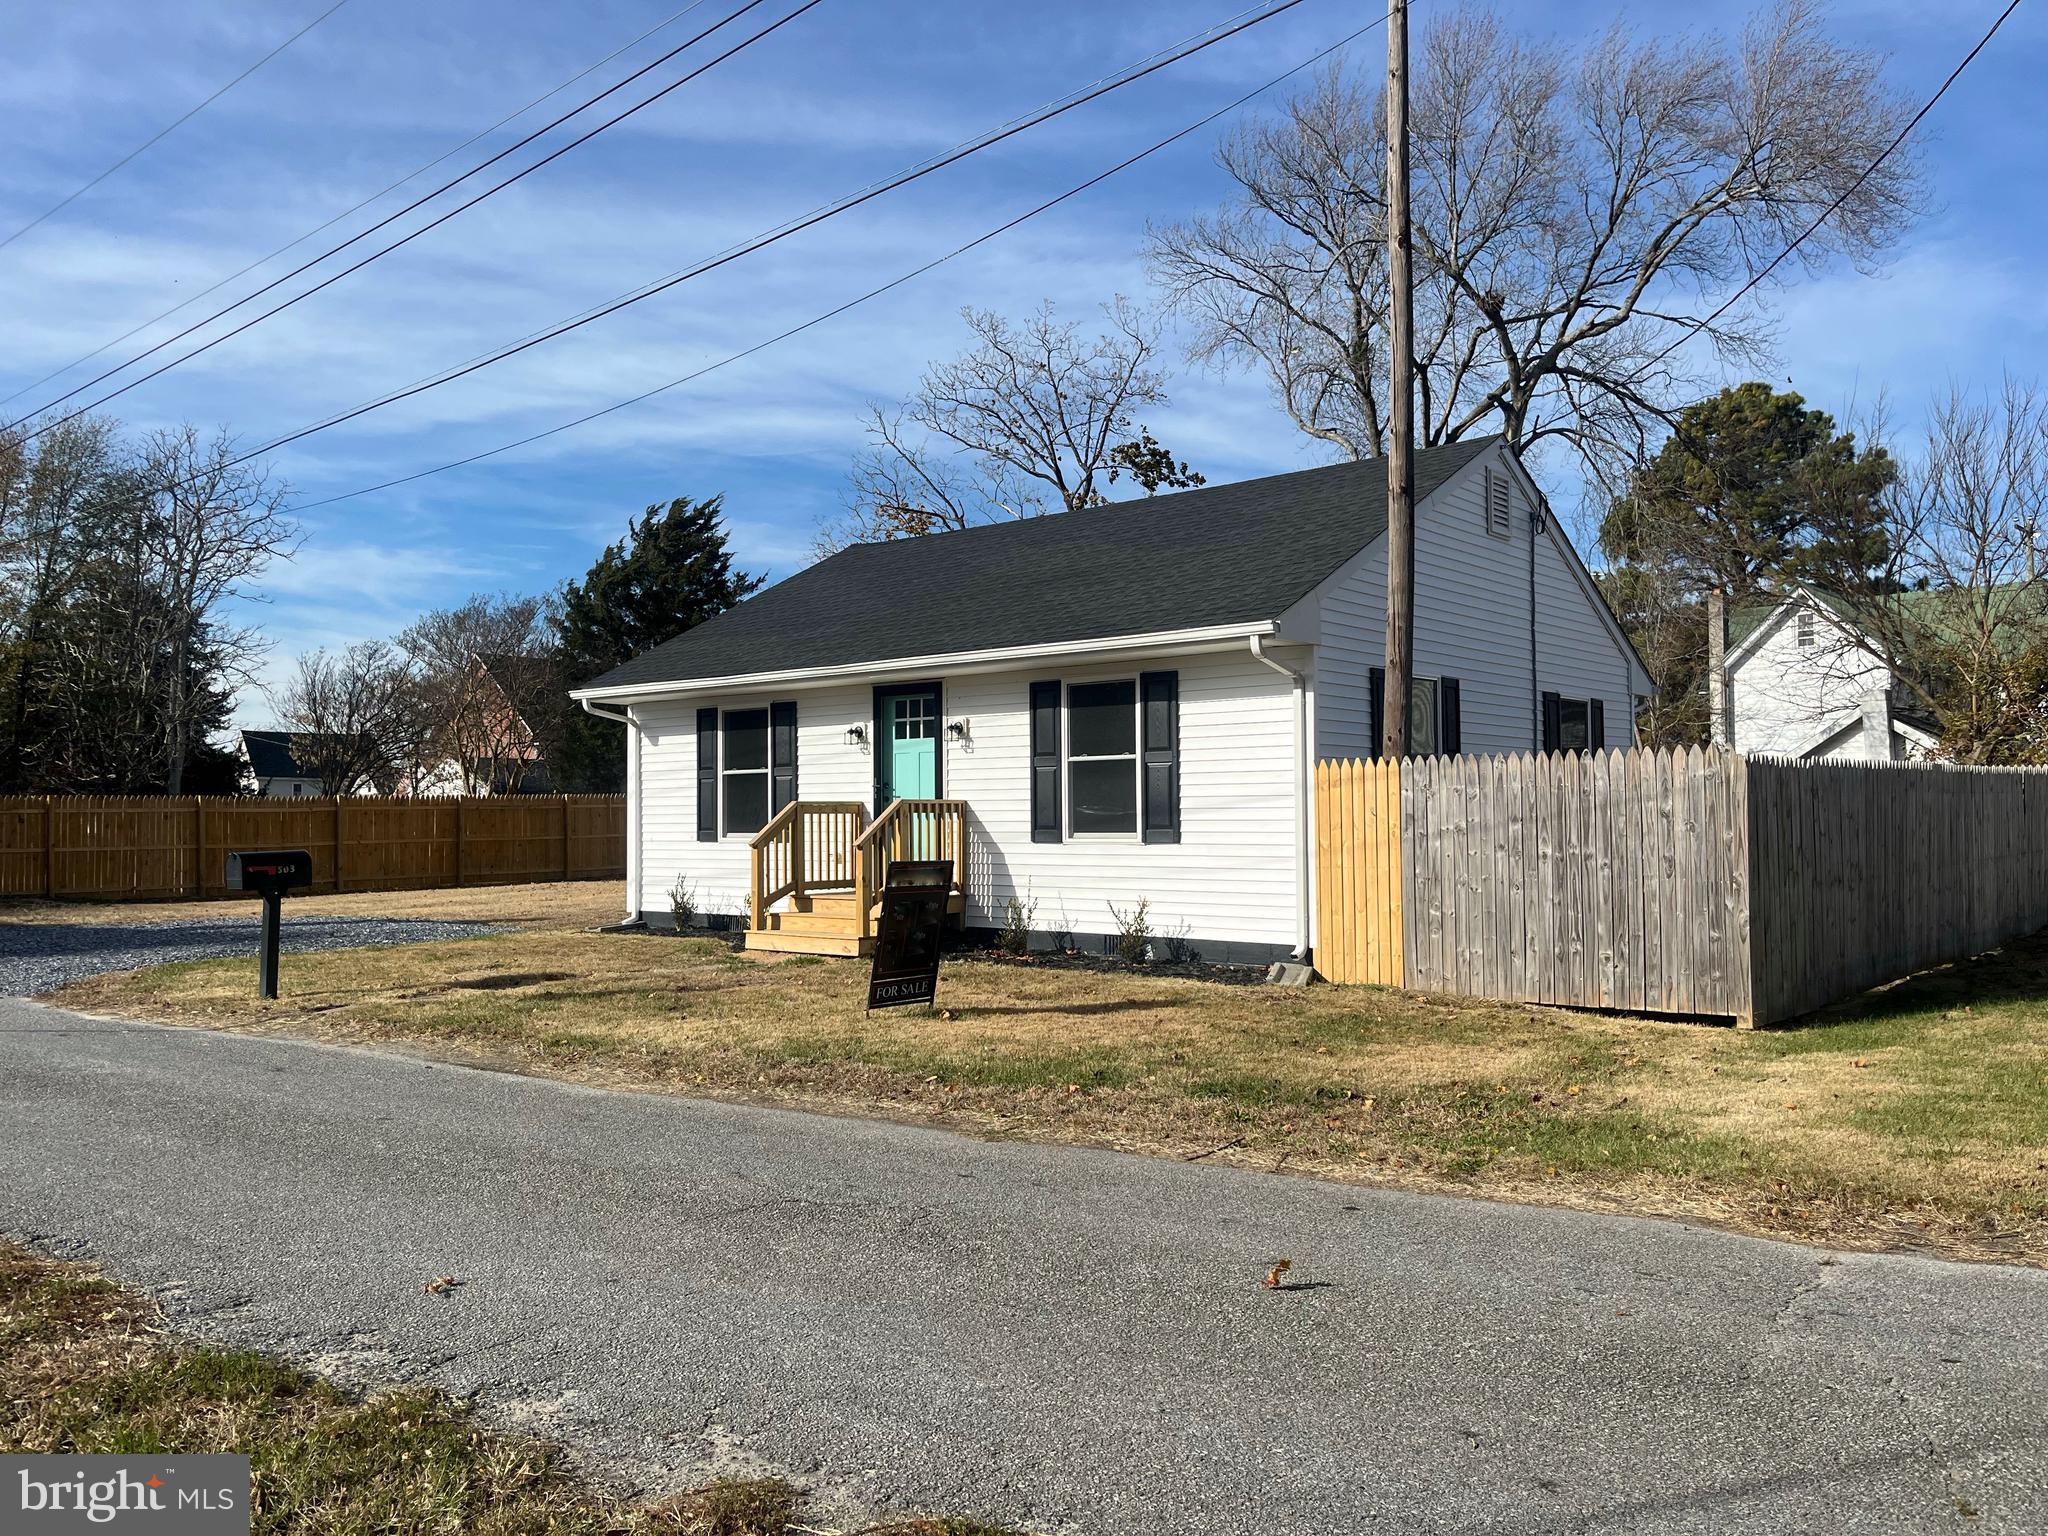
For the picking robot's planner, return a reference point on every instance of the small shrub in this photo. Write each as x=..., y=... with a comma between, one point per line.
x=1133, y=932
x=1173, y=942
x=1018, y=918
x=682, y=901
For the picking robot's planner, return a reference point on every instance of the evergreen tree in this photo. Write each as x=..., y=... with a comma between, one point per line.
x=1750, y=492
x=671, y=572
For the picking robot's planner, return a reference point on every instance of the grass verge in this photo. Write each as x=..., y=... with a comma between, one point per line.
x=87, y=1367
x=1916, y=1117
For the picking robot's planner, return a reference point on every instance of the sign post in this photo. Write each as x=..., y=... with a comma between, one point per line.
x=272, y=874
x=906, y=963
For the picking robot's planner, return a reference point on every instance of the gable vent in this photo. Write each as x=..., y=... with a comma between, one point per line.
x=1498, y=514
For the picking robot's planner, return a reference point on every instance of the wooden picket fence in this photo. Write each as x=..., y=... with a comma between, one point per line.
x=1691, y=883
x=161, y=846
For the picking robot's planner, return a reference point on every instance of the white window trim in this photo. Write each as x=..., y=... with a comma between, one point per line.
x=726, y=834
x=1136, y=759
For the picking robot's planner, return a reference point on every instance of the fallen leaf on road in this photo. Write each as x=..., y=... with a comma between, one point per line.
x=441, y=1285
x=1273, y=1275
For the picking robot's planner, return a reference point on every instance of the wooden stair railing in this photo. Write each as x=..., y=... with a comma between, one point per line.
x=809, y=845
x=907, y=829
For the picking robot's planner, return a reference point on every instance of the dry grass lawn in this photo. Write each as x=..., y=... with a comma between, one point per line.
x=552, y=904
x=1917, y=1117
x=88, y=1368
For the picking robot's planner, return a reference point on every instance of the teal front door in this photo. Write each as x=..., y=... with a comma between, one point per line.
x=910, y=746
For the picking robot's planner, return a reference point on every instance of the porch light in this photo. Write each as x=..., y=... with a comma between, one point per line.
x=956, y=730
x=856, y=735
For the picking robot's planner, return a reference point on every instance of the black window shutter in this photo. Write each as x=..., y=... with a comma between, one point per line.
x=1450, y=735
x=1553, y=725
x=1596, y=725
x=1376, y=716
x=1045, y=762
x=1159, y=695
x=707, y=775
x=782, y=752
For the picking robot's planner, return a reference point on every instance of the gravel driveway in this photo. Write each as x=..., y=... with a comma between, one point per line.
x=38, y=957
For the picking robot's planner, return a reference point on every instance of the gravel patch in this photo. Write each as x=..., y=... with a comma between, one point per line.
x=40, y=957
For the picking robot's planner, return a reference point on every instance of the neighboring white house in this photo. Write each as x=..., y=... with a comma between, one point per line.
x=1125, y=701
x=274, y=768
x=1804, y=681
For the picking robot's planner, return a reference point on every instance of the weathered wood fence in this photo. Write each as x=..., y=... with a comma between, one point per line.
x=1670, y=882
x=144, y=846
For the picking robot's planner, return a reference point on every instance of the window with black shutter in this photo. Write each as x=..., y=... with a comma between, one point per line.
x=707, y=775
x=1159, y=694
x=1596, y=725
x=1045, y=762
x=1376, y=714
x=1573, y=725
x=1450, y=734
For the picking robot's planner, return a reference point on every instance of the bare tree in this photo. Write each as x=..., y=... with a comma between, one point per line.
x=485, y=675
x=1574, y=219
x=1034, y=418
x=1959, y=611
x=211, y=527
x=350, y=714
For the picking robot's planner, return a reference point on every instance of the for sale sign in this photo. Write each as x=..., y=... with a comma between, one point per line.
x=913, y=921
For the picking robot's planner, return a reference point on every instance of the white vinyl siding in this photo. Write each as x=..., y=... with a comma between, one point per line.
x=1784, y=694
x=1471, y=623
x=1230, y=877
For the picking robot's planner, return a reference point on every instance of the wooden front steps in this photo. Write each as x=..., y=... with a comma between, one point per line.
x=820, y=925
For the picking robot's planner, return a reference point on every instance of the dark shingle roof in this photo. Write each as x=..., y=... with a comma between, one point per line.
x=1221, y=555
x=270, y=755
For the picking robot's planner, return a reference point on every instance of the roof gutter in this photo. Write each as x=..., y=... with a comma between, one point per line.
x=592, y=707
x=912, y=666
x=1302, y=779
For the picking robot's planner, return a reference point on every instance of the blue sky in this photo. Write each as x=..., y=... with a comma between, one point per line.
x=853, y=90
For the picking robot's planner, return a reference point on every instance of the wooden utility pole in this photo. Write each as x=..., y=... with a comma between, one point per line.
x=1401, y=399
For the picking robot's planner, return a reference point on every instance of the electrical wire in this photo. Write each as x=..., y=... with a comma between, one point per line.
x=1836, y=206
x=320, y=229
x=408, y=208
x=873, y=293
x=163, y=133
x=843, y=206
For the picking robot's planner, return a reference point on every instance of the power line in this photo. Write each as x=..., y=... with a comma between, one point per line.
x=843, y=206
x=163, y=133
x=321, y=229
x=1066, y=96
x=199, y=325
x=873, y=293
x=1836, y=206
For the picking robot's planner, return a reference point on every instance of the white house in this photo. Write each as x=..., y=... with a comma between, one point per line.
x=1103, y=706
x=1804, y=681
x=274, y=768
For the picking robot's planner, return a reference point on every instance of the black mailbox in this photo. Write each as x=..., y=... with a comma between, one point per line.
x=272, y=874
x=284, y=870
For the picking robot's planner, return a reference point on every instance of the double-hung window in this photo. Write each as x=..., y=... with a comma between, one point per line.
x=744, y=773
x=1102, y=758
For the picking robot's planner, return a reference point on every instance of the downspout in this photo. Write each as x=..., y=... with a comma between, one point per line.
x=625, y=718
x=1535, y=680
x=1302, y=832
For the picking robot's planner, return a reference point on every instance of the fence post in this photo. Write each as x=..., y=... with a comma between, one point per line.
x=461, y=842
x=198, y=845
x=565, y=837
x=50, y=846
x=337, y=845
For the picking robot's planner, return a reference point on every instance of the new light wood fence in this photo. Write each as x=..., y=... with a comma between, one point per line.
x=1671, y=882
x=155, y=846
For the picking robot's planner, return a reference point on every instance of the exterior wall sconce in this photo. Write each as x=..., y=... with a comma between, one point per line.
x=856, y=735
x=957, y=731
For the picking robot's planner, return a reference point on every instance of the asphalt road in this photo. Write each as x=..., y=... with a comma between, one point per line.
x=1072, y=1339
